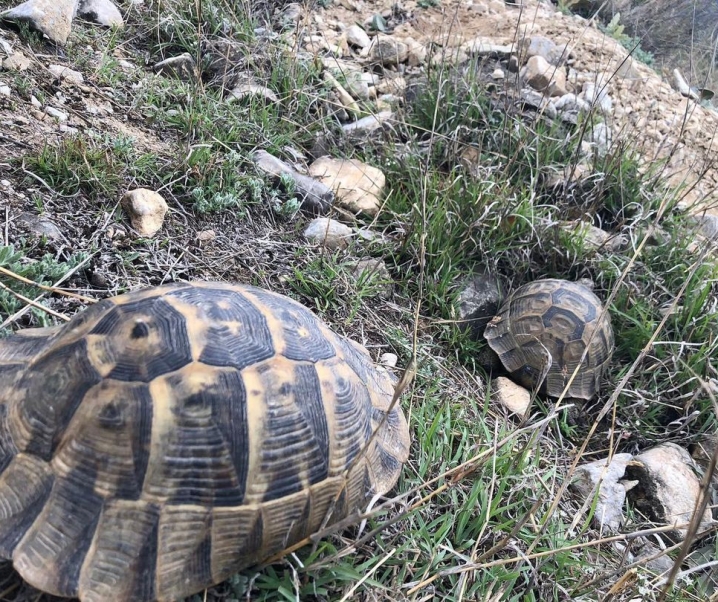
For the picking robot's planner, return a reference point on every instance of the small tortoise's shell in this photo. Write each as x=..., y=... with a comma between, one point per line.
x=164, y=439
x=553, y=321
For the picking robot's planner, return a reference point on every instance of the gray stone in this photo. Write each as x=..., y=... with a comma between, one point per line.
x=314, y=196
x=543, y=47
x=53, y=18
x=597, y=96
x=588, y=478
x=56, y=113
x=368, y=124
x=374, y=272
x=388, y=51
x=707, y=224
x=41, y=226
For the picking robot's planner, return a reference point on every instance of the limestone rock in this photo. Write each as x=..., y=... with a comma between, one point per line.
x=487, y=47
x=357, y=186
x=329, y=233
x=50, y=17
x=513, y=397
x=146, y=209
x=367, y=124
x=667, y=486
x=611, y=493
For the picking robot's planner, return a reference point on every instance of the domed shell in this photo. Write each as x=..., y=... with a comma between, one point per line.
x=164, y=439
x=554, y=321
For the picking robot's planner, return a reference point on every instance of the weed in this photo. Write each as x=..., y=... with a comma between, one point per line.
x=45, y=270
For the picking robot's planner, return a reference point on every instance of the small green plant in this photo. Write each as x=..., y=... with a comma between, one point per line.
x=45, y=270
x=615, y=29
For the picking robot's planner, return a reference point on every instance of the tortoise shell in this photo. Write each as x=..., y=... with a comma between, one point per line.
x=164, y=439
x=541, y=332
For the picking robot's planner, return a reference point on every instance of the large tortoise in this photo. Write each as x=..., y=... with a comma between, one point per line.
x=164, y=439
x=541, y=332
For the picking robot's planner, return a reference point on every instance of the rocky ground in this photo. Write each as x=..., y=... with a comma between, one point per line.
x=107, y=155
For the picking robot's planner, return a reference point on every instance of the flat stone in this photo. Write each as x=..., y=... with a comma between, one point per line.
x=17, y=61
x=248, y=90
x=368, y=124
x=329, y=233
x=315, y=196
x=181, y=67
x=67, y=74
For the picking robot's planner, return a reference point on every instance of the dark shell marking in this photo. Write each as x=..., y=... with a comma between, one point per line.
x=164, y=439
x=559, y=317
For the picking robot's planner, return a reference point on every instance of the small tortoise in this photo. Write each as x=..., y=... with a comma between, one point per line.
x=542, y=330
x=164, y=439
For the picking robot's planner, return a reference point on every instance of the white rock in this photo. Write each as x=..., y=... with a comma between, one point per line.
x=17, y=61
x=146, y=209
x=4, y=89
x=389, y=359
x=611, y=493
x=67, y=74
x=356, y=36
x=328, y=232
x=56, y=113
